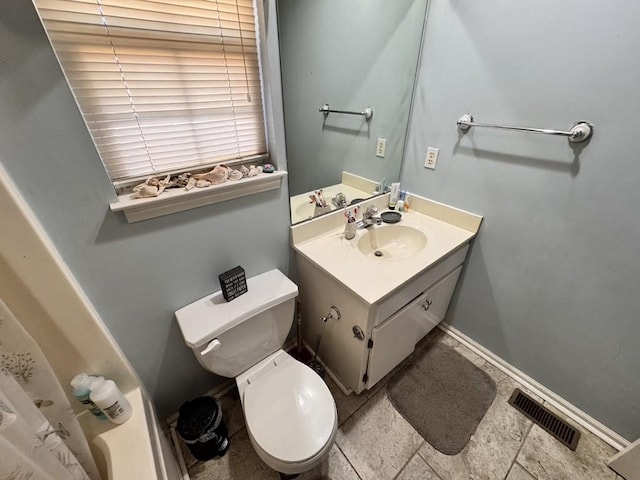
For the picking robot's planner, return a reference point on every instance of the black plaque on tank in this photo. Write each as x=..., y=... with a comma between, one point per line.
x=233, y=283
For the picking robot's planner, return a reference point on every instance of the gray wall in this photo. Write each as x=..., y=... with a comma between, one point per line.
x=136, y=275
x=554, y=278
x=350, y=54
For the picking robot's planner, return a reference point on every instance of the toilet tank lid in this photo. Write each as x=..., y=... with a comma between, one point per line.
x=205, y=319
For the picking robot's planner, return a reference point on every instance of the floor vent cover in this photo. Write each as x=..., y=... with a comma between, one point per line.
x=548, y=420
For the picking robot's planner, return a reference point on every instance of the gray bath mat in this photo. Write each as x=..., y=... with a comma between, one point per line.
x=443, y=396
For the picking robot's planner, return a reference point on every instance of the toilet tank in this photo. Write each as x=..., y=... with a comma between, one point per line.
x=248, y=328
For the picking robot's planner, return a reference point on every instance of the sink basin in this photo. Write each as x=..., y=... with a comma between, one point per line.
x=394, y=242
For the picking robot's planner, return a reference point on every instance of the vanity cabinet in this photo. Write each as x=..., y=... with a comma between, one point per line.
x=395, y=338
x=390, y=327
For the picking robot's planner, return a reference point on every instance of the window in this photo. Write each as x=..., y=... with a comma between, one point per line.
x=163, y=85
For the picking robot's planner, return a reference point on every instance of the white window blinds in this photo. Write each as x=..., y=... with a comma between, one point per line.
x=162, y=85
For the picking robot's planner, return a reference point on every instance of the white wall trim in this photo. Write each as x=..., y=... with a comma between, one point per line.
x=567, y=408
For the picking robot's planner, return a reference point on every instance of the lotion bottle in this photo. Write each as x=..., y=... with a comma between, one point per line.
x=81, y=384
x=108, y=397
x=393, y=195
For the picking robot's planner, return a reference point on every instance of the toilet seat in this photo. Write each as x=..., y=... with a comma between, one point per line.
x=290, y=413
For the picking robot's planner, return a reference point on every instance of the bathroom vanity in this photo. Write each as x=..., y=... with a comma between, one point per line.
x=372, y=298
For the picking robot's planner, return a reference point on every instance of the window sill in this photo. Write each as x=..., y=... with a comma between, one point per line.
x=178, y=199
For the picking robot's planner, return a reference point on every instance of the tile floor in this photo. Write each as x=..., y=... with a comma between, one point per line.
x=375, y=442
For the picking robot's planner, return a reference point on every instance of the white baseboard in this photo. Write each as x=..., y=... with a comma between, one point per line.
x=567, y=408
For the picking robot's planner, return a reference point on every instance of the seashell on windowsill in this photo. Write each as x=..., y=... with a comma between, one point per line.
x=235, y=174
x=152, y=187
x=218, y=175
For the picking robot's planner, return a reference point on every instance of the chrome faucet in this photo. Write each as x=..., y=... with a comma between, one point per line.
x=368, y=218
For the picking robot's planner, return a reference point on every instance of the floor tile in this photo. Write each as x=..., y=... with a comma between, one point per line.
x=345, y=404
x=240, y=462
x=548, y=459
x=377, y=441
x=490, y=451
x=417, y=469
x=335, y=467
x=519, y=473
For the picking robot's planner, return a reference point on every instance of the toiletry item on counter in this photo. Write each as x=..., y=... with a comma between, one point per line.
x=400, y=204
x=81, y=384
x=382, y=187
x=350, y=227
x=406, y=202
x=394, y=195
x=106, y=395
x=391, y=217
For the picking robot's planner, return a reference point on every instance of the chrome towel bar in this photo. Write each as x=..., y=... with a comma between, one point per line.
x=579, y=131
x=367, y=113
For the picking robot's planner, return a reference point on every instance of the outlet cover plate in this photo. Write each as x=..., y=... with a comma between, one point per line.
x=381, y=146
x=431, y=159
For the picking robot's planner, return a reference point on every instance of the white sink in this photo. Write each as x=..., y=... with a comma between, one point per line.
x=408, y=248
x=394, y=242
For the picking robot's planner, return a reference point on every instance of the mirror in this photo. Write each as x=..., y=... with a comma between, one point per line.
x=349, y=54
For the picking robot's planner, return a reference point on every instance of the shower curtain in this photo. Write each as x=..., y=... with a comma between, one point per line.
x=40, y=437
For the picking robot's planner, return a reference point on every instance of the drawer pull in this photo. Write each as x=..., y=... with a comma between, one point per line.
x=427, y=304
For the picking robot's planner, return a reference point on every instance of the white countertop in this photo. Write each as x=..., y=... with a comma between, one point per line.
x=322, y=242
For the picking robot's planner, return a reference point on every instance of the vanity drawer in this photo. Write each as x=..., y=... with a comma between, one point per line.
x=418, y=285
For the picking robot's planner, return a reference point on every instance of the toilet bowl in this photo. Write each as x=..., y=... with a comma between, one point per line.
x=289, y=411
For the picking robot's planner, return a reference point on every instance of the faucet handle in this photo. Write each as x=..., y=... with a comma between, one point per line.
x=371, y=211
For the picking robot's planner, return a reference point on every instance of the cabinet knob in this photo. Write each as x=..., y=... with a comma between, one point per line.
x=427, y=304
x=357, y=332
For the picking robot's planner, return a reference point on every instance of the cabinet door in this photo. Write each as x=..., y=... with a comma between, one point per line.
x=393, y=340
x=433, y=304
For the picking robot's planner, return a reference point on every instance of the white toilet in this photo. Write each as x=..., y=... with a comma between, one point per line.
x=289, y=412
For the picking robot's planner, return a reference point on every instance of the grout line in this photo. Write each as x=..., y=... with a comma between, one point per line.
x=347, y=459
x=524, y=439
x=413, y=455
x=415, y=452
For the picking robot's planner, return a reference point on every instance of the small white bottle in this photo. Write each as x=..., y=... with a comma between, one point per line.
x=81, y=384
x=108, y=397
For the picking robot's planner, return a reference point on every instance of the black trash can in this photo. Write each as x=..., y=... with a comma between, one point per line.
x=201, y=426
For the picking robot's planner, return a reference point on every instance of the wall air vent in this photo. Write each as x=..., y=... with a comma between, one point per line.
x=546, y=419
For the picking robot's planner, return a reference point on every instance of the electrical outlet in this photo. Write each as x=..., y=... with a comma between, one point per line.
x=432, y=158
x=381, y=147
